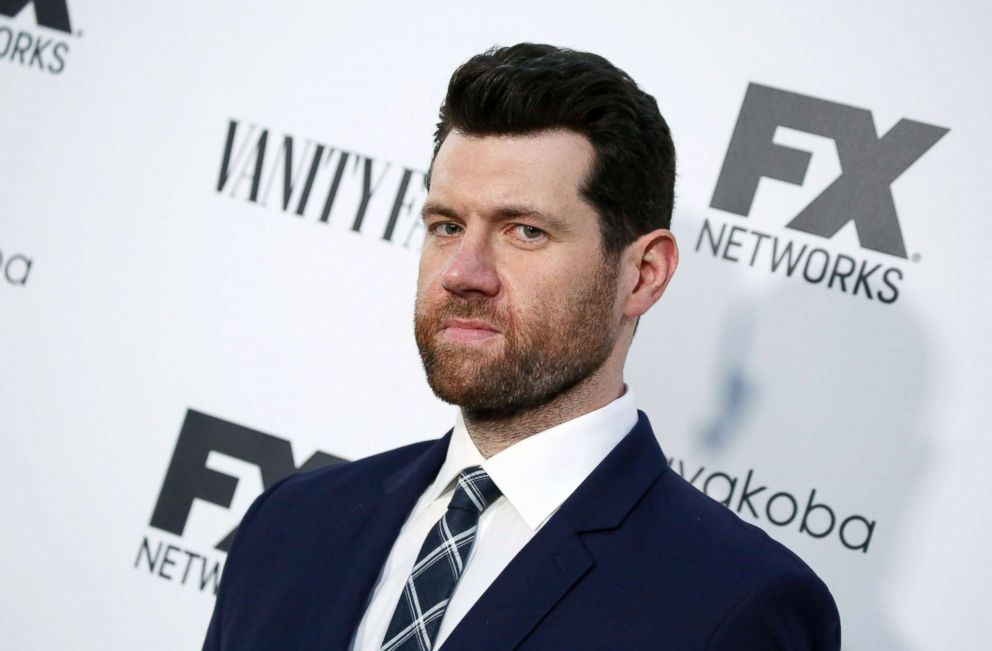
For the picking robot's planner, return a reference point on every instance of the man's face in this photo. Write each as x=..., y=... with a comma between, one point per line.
x=515, y=303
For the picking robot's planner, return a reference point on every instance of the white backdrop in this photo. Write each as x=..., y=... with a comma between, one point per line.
x=139, y=302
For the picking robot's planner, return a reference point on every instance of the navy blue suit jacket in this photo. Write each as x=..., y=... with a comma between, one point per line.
x=635, y=558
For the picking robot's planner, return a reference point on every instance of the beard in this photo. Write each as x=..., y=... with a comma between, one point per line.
x=539, y=357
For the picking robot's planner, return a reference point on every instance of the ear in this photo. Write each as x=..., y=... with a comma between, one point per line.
x=653, y=257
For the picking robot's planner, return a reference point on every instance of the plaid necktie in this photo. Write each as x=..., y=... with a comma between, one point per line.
x=417, y=618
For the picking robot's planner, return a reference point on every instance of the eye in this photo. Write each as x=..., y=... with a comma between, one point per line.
x=445, y=229
x=528, y=233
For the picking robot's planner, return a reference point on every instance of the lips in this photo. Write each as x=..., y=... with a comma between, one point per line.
x=467, y=330
x=467, y=324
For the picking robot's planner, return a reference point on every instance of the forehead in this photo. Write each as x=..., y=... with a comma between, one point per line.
x=544, y=169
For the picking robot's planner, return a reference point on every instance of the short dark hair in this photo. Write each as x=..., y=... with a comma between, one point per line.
x=531, y=87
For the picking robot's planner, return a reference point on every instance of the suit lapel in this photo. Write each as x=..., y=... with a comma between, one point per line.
x=534, y=581
x=556, y=559
x=361, y=544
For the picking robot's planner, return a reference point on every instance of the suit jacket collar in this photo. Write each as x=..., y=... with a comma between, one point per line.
x=556, y=558
x=605, y=498
x=419, y=474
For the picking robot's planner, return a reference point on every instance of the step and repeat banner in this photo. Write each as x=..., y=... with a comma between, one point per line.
x=209, y=237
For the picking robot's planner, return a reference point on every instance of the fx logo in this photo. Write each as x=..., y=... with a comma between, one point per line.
x=53, y=14
x=189, y=478
x=869, y=164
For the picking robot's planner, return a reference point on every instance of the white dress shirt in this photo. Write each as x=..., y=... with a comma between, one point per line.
x=535, y=475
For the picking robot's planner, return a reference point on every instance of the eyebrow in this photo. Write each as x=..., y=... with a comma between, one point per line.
x=502, y=213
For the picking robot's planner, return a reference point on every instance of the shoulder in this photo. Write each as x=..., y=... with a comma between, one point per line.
x=792, y=609
x=286, y=536
x=759, y=590
x=347, y=482
x=712, y=533
x=360, y=472
x=308, y=506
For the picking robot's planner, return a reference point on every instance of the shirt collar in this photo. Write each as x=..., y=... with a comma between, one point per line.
x=536, y=475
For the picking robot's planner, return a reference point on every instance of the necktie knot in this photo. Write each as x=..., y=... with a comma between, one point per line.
x=475, y=491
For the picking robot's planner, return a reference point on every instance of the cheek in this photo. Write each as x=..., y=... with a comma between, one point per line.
x=540, y=295
x=427, y=272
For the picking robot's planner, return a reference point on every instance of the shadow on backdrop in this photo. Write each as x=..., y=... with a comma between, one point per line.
x=833, y=389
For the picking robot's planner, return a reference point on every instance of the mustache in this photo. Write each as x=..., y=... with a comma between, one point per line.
x=458, y=308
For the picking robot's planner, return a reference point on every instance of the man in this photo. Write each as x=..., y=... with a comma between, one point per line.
x=547, y=518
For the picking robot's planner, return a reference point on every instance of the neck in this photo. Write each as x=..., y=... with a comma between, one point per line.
x=493, y=431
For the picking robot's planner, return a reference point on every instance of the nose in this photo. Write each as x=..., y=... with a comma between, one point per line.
x=470, y=272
